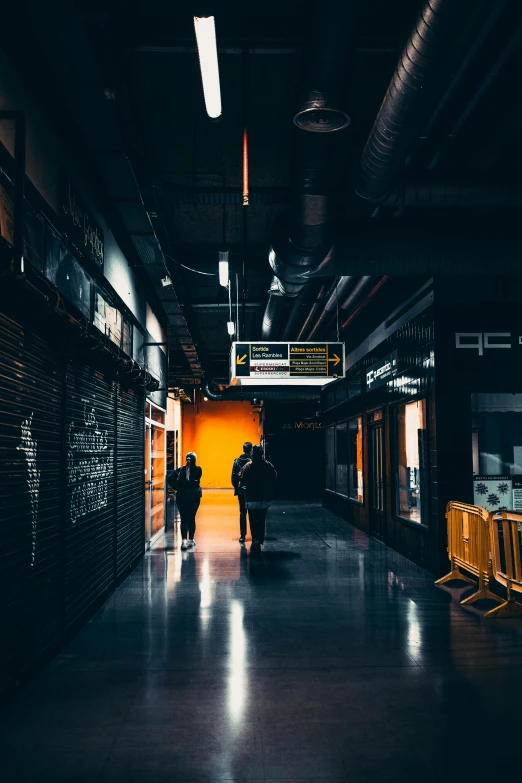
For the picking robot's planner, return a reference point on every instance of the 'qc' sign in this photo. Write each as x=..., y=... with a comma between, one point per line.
x=481, y=341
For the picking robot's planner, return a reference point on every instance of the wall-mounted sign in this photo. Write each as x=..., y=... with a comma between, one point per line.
x=301, y=364
x=80, y=225
x=302, y=425
x=479, y=341
x=494, y=493
x=381, y=372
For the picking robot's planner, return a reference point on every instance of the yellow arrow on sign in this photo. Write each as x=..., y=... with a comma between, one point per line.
x=242, y=360
x=335, y=359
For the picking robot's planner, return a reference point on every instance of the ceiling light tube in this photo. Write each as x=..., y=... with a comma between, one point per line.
x=208, y=62
x=231, y=327
x=223, y=268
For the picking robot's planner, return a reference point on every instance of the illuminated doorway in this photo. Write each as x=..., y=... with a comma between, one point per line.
x=155, y=464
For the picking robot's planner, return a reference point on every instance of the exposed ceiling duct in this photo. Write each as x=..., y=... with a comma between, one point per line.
x=334, y=296
x=366, y=301
x=338, y=301
x=313, y=313
x=302, y=241
x=403, y=110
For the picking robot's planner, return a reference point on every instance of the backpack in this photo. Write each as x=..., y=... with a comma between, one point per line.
x=237, y=470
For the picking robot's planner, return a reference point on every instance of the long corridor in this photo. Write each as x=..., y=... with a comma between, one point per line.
x=328, y=658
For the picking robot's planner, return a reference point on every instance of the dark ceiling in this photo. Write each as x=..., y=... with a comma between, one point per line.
x=189, y=168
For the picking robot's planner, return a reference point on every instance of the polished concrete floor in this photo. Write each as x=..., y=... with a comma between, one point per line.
x=329, y=658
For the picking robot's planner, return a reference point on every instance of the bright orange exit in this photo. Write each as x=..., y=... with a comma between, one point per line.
x=217, y=433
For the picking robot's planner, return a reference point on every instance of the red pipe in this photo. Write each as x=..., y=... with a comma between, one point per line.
x=365, y=301
x=245, y=168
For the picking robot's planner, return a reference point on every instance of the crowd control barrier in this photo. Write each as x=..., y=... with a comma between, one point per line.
x=506, y=548
x=468, y=549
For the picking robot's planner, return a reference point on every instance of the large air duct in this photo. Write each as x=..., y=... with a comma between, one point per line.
x=336, y=295
x=403, y=110
x=302, y=240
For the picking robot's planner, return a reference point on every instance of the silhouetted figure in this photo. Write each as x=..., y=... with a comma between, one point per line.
x=237, y=469
x=186, y=482
x=259, y=481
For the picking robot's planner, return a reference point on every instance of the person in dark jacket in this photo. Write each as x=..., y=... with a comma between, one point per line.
x=259, y=481
x=237, y=469
x=186, y=482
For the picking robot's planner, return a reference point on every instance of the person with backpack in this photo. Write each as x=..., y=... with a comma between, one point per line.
x=186, y=481
x=237, y=469
x=259, y=480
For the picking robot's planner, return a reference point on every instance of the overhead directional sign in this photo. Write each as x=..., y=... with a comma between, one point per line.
x=264, y=363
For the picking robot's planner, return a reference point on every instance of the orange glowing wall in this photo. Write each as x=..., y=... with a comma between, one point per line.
x=217, y=433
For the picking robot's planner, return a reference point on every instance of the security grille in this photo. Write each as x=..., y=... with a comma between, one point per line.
x=31, y=390
x=89, y=514
x=130, y=439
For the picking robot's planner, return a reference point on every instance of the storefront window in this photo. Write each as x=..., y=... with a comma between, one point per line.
x=330, y=458
x=355, y=461
x=412, y=461
x=354, y=385
x=341, y=462
x=497, y=451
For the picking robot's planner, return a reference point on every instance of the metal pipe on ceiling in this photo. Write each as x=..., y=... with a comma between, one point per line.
x=312, y=314
x=273, y=311
x=451, y=94
x=244, y=265
x=354, y=293
x=335, y=295
x=507, y=52
x=302, y=240
x=402, y=113
x=365, y=302
x=308, y=293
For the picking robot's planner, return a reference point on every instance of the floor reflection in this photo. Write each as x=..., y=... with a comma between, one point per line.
x=327, y=658
x=238, y=652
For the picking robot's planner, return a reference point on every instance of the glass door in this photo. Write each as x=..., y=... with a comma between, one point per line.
x=377, y=477
x=155, y=470
x=157, y=489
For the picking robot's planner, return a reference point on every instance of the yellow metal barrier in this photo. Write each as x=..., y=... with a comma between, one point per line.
x=468, y=548
x=506, y=547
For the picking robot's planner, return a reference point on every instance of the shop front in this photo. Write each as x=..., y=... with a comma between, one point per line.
x=430, y=411
x=379, y=428
x=155, y=472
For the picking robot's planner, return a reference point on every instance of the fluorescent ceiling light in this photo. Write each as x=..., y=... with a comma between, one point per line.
x=208, y=62
x=231, y=327
x=223, y=268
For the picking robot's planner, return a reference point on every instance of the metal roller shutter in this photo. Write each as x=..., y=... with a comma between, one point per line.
x=31, y=403
x=90, y=530
x=130, y=439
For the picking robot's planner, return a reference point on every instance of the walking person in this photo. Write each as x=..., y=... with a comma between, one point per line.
x=259, y=480
x=237, y=469
x=186, y=481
